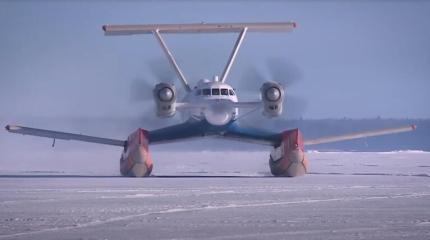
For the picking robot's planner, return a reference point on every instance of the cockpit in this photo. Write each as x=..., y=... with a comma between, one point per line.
x=215, y=92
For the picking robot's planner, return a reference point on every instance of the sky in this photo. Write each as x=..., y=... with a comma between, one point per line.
x=357, y=59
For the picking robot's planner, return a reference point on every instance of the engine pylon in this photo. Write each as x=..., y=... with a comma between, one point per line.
x=135, y=159
x=289, y=159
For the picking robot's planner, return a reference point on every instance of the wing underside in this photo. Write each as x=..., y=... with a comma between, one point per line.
x=195, y=129
x=274, y=139
x=63, y=135
x=364, y=134
x=198, y=28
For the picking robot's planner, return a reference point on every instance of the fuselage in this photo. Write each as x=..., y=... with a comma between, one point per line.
x=213, y=101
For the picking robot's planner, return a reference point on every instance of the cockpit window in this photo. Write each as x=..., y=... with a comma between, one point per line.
x=231, y=92
x=224, y=91
x=206, y=92
x=215, y=91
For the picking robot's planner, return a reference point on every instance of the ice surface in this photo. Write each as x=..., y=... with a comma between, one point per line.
x=346, y=196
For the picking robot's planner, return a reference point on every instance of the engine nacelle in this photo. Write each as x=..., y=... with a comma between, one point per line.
x=272, y=94
x=288, y=159
x=135, y=159
x=165, y=99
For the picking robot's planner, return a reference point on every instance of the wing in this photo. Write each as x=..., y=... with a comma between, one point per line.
x=252, y=135
x=193, y=129
x=198, y=28
x=235, y=132
x=254, y=104
x=187, y=105
x=187, y=130
x=372, y=133
x=63, y=135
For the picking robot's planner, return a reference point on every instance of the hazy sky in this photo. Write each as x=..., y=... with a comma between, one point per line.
x=358, y=59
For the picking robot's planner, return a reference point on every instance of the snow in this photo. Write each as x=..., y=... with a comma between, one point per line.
x=225, y=195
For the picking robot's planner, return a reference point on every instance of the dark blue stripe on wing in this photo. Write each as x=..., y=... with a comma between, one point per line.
x=253, y=134
x=192, y=129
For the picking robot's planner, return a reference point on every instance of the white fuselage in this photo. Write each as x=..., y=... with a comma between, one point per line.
x=213, y=101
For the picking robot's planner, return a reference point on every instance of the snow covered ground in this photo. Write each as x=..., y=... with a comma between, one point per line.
x=222, y=195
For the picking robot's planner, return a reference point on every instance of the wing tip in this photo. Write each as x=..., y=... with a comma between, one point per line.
x=11, y=128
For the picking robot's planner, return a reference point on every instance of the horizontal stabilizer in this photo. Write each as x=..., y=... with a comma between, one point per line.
x=62, y=135
x=357, y=135
x=198, y=28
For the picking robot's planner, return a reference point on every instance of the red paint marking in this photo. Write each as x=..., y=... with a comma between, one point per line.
x=293, y=139
x=137, y=145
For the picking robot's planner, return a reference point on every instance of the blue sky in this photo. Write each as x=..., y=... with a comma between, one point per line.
x=358, y=59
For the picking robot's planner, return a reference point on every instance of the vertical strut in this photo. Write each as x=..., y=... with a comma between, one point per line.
x=233, y=54
x=172, y=60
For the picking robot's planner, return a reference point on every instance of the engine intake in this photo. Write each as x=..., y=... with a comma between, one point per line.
x=165, y=99
x=272, y=94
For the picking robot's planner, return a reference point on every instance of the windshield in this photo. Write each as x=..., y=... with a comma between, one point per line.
x=206, y=92
x=215, y=91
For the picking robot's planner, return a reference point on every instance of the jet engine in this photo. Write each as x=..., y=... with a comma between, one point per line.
x=288, y=159
x=272, y=94
x=165, y=99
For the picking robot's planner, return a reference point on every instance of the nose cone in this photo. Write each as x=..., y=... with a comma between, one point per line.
x=218, y=114
x=273, y=94
x=165, y=94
